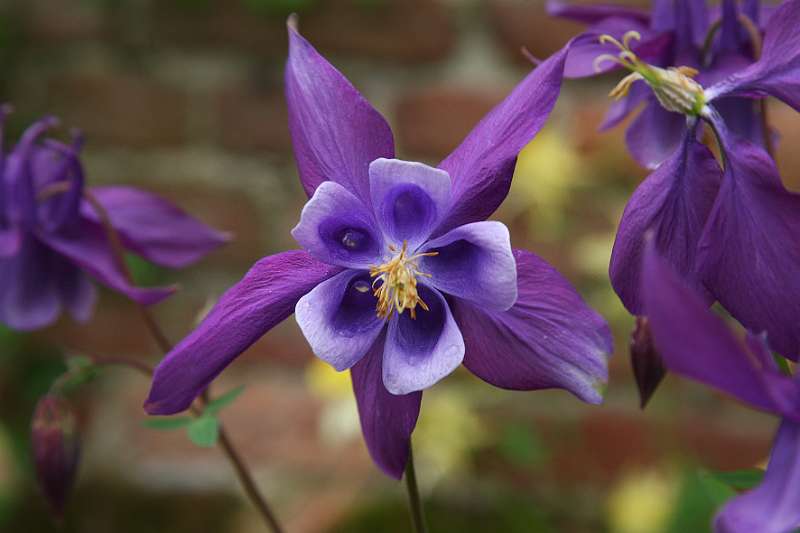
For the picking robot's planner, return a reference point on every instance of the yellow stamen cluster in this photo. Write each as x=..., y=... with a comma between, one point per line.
x=395, y=284
x=674, y=87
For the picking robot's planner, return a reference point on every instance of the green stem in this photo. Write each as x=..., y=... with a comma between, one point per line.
x=414, y=501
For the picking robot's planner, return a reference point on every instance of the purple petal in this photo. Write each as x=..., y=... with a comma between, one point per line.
x=29, y=298
x=265, y=297
x=586, y=48
x=688, y=19
x=77, y=293
x=749, y=254
x=153, y=227
x=339, y=320
x=409, y=199
x=482, y=166
x=777, y=72
x=655, y=135
x=10, y=241
x=773, y=506
x=56, y=163
x=550, y=338
x=336, y=228
x=335, y=132
x=21, y=206
x=387, y=420
x=673, y=203
x=591, y=14
x=419, y=352
x=88, y=247
x=620, y=109
x=474, y=262
x=696, y=343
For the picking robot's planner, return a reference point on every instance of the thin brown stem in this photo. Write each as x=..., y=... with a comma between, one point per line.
x=234, y=457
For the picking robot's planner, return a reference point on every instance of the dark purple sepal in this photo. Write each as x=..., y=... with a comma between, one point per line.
x=387, y=420
x=672, y=204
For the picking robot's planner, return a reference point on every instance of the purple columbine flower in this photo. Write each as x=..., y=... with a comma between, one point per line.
x=53, y=238
x=734, y=232
x=713, y=43
x=697, y=344
x=401, y=278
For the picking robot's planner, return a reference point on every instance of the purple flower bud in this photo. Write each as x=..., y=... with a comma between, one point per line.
x=648, y=367
x=56, y=449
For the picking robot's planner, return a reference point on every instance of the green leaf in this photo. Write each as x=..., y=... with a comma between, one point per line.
x=167, y=423
x=522, y=446
x=204, y=431
x=215, y=406
x=740, y=479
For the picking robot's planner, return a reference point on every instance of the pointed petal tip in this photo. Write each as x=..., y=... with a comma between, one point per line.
x=292, y=23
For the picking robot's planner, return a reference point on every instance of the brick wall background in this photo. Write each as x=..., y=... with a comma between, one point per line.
x=185, y=98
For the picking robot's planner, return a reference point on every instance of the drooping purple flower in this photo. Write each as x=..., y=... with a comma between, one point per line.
x=714, y=42
x=733, y=233
x=401, y=278
x=697, y=344
x=53, y=238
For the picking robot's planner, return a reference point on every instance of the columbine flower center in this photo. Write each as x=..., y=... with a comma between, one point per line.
x=674, y=87
x=395, y=284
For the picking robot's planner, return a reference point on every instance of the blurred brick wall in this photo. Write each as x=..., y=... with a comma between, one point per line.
x=186, y=99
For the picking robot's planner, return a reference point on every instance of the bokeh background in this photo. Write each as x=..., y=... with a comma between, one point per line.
x=185, y=98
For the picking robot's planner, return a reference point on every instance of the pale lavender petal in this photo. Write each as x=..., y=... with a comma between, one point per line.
x=774, y=505
x=29, y=297
x=409, y=199
x=482, y=166
x=336, y=228
x=153, y=227
x=338, y=318
x=777, y=72
x=387, y=420
x=591, y=14
x=749, y=254
x=336, y=133
x=550, y=338
x=695, y=343
x=655, y=135
x=474, y=262
x=419, y=352
x=265, y=297
x=672, y=204
x=88, y=247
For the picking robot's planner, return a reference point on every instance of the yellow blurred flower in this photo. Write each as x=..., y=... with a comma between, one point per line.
x=641, y=502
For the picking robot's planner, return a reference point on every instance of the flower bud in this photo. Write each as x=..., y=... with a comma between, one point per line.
x=648, y=367
x=56, y=449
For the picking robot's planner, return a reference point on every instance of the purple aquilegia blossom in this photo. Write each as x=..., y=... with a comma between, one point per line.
x=401, y=278
x=734, y=232
x=714, y=43
x=697, y=344
x=53, y=239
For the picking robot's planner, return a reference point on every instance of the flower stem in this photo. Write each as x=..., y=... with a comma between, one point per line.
x=231, y=453
x=414, y=501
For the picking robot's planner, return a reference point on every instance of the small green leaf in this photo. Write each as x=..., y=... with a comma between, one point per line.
x=215, y=406
x=167, y=423
x=204, y=431
x=522, y=446
x=717, y=491
x=740, y=479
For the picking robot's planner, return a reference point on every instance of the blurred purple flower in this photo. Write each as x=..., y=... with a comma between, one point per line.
x=715, y=41
x=56, y=450
x=402, y=279
x=53, y=239
x=697, y=344
x=733, y=233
